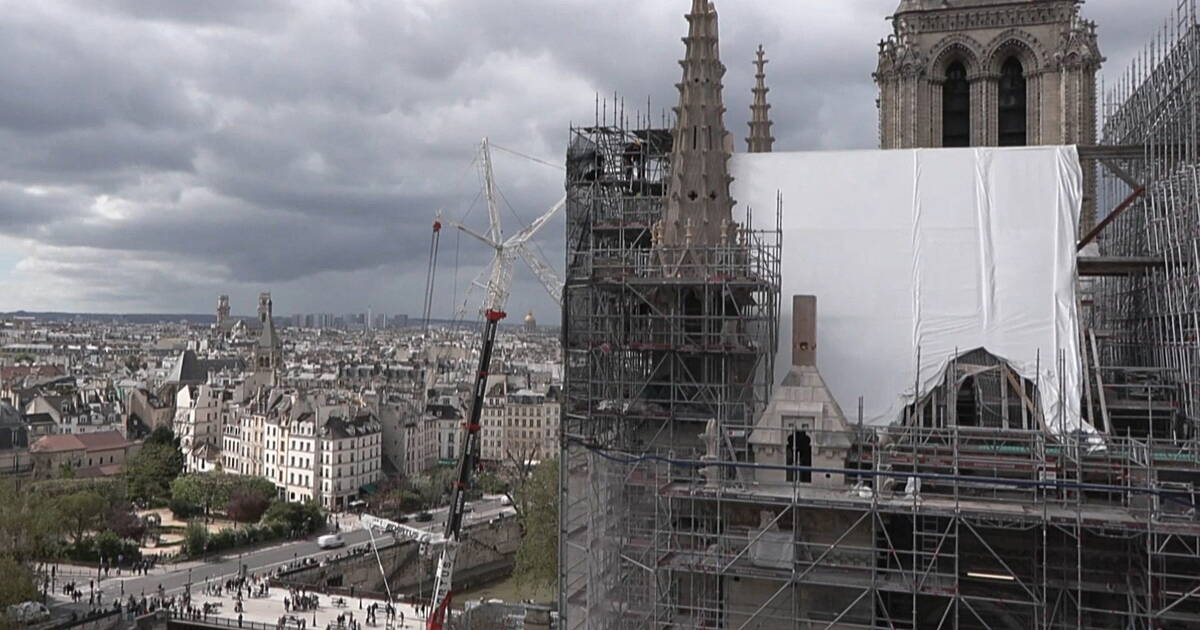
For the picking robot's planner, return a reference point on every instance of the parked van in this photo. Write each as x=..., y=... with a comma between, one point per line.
x=329, y=541
x=28, y=612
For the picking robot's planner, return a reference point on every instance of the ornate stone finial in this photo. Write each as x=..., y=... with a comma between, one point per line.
x=760, y=140
x=699, y=185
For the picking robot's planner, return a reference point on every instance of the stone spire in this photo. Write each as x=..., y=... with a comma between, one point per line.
x=760, y=140
x=699, y=211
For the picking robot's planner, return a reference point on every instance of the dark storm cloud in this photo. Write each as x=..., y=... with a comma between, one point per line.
x=159, y=152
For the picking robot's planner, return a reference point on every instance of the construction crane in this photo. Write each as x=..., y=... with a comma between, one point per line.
x=434, y=241
x=506, y=251
x=497, y=290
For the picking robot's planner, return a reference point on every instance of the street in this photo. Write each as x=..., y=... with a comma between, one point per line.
x=174, y=577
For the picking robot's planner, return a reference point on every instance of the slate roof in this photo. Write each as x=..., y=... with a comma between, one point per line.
x=190, y=369
x=100, y=441
x=362, y=424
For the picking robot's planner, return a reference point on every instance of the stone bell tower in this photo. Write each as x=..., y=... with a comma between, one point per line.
x=959, y=73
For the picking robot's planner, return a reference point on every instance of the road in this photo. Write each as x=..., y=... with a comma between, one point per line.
x=175, y=578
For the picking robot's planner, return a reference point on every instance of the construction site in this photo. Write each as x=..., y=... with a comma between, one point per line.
x=707, y=483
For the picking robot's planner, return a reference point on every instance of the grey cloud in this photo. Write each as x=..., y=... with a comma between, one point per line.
x=306, y=145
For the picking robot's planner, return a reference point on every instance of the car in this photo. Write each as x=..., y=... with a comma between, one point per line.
x=403, y=518
x=468, y=508
x=28, y=612
x=504, y=500
x=423, y=517
x=330, y=541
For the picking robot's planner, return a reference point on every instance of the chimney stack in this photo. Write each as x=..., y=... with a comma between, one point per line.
x=804, y=330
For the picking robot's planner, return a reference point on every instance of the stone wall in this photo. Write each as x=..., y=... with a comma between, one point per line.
x=487, y=553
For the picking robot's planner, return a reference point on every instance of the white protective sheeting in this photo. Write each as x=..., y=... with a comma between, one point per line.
x=927, y=253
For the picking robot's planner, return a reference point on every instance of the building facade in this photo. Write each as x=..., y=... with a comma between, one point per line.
x=530, y=426
x=311, y=449
x=989, y=73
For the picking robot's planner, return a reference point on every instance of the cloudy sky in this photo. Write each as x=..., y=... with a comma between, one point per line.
x=160, y=152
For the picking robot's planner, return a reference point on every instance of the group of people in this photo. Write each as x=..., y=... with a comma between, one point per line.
x=389, y=611
x=95, y=597
x=141, y=566
x=300, y=601
x=252, y=586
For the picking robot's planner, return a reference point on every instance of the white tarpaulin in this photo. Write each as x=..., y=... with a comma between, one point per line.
x=925, y=253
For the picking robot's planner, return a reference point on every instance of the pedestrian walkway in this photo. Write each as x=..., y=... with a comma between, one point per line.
x=331, y=612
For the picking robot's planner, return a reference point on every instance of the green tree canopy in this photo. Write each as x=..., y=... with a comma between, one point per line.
x=537, y=557
x=29, y=523
x=148, y=475
x=111, y=488
x=17, y=586
x=195, y=539
x=213, y=490
x=490, y=483
x=81, y=512
x=162, y=434
x=304, y=517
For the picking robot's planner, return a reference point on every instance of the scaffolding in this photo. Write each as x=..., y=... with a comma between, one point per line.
x=1150, y=321
x=968, y=512
x=956, y=517
x=657, y=355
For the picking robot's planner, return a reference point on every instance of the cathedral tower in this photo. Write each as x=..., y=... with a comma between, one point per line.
x=990, y=73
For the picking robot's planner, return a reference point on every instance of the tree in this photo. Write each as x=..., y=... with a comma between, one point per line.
x=66, y=471
x=162, y=434
x=111, y=488
x=298, y=517
x=247, y=505
x=81, y=512
x=490, y=483
x=149, y=474
x=121, y=520
x=17, y=586
x=195, y=539
x=30, y=523
x=213, y=490
x=108, y=546
x=537, y=557
x=519, y=469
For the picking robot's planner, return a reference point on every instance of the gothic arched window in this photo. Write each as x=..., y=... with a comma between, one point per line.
x=1011, y=115
x=956, y=107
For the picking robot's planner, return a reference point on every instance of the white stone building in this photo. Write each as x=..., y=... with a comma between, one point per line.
x=311, y=449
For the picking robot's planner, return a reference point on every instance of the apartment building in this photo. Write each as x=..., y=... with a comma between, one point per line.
x=531, y=425
x=312, y=449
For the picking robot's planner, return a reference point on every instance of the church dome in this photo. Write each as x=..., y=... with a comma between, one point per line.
x=529, y=319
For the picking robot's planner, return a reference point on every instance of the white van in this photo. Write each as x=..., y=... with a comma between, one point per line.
x=329, y=541
x=28, y=612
